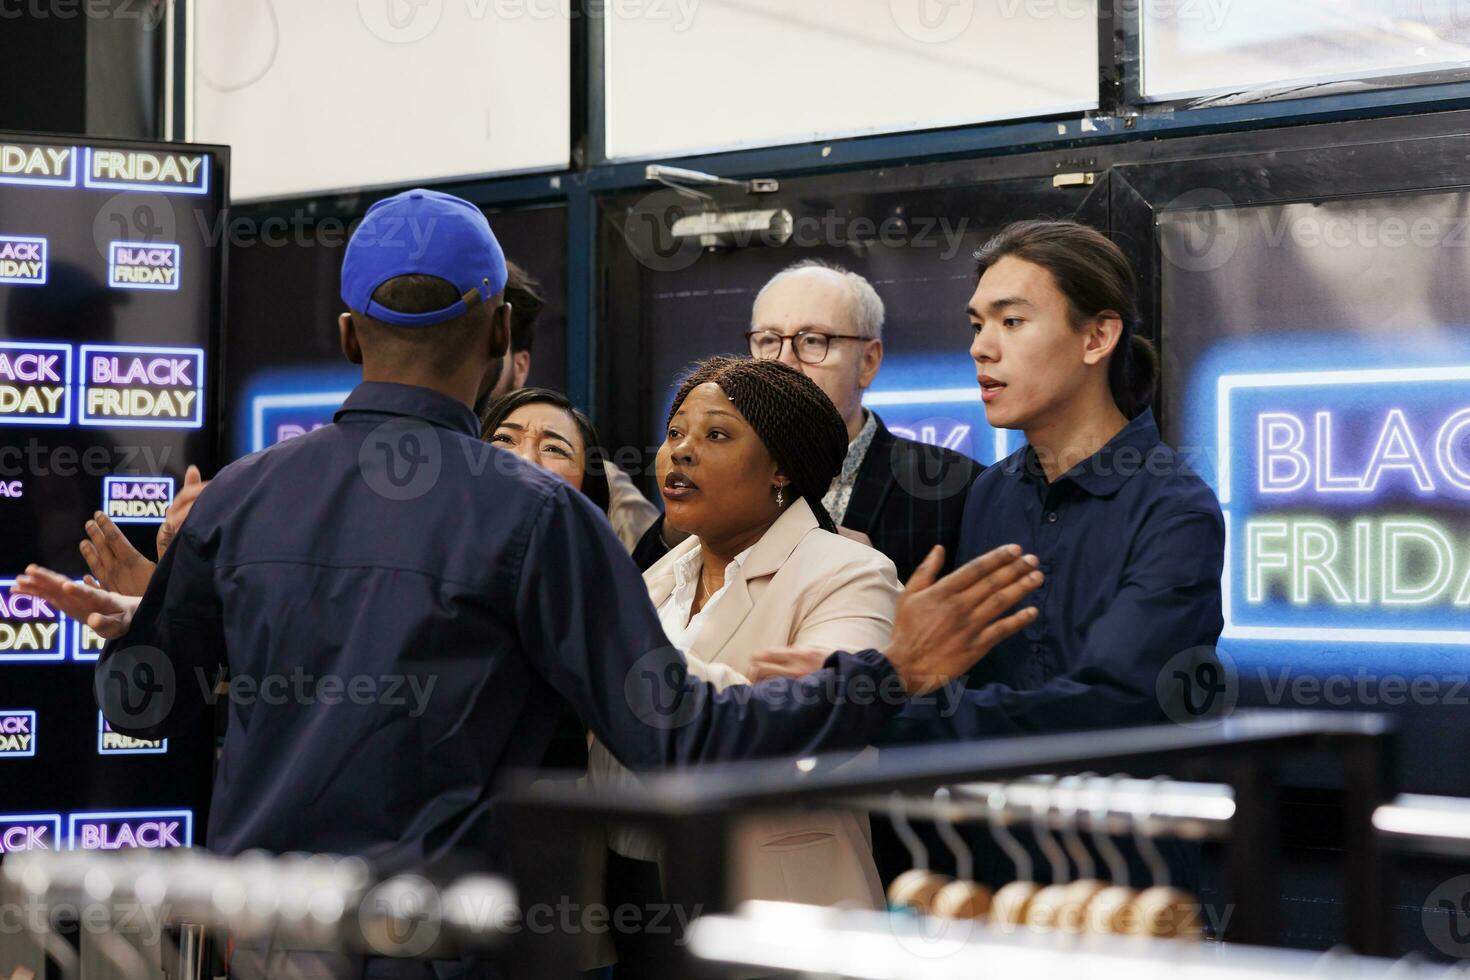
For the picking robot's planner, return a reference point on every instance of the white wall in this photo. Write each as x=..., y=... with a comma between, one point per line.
x=1201, y=47
x=693, y=75
x=317, y=95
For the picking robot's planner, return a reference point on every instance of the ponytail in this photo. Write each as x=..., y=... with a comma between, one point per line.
x=1133, y=373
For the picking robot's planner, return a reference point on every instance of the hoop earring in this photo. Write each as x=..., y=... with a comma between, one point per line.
x=780, y=503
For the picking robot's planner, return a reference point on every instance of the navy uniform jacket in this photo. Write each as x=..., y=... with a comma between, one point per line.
x=398, y=605
x=1132, y=544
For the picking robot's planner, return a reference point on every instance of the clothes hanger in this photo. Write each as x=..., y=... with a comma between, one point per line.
x=1046, y=904
x=1111, y=910
x=1161, y=910
x=963, y=898
x=1008, y=907
x=915, y=888
x=1073, y=915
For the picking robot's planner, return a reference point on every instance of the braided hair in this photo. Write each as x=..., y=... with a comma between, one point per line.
x=797, y=422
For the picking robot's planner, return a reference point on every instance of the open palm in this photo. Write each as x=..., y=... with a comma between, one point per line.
x=114, y=562
x=110, y=614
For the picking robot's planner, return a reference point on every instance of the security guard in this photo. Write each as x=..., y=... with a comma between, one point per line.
x=398, y=602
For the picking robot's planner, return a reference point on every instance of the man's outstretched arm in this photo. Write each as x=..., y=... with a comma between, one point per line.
x=158, y=677
x=587, y=624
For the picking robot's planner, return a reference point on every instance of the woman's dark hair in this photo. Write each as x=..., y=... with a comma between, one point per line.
x=1095, y=276
x=523, y=293
x=594, y=482
x=797, y=422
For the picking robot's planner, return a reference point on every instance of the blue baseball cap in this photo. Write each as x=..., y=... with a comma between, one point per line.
x=426, y=233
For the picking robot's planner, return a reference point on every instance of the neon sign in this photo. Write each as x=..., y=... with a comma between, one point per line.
x=86, y=645
x=137, y=499
x=1344, y=495
x=29, y=832
x=276, y=418
x=1287, y=461
x=149, y=829
x=31, y=631
x=38, y=164
x=33, y=383
x=110, y=742
x=932, y=415
x=150, y=387
x=23, y=260
x=167, y=173
x=17, y=734
x=143, y=265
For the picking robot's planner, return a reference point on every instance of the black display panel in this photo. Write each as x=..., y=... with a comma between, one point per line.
x=1320, y=365
x=1310, y=289
x=1313, y=337
x=111, y=285
x=284, y=373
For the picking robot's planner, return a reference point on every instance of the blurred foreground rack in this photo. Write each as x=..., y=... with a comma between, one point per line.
x=148, y=914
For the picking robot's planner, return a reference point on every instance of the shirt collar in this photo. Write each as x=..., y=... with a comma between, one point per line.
x=857, y=449
x=1105, y=471
x=860, y=443
x=839, y=493
x=686, y=568
x=387, y=398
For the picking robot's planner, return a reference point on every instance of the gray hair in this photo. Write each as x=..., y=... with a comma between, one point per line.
x=867, y=306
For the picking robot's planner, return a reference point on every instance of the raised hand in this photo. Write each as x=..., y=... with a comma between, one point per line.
x=108, y=613
x=194, y=484
x=943, y=627
x=115, y=563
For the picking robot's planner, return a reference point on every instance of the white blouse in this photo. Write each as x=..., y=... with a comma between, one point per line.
x=682, y=631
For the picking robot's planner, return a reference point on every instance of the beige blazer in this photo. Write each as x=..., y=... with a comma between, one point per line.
x=630, y=512
x=799, y=586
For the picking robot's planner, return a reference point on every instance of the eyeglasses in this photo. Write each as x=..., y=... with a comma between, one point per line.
x=809, y=346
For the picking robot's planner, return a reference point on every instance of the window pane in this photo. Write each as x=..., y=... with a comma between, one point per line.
x=334, y=95
x=687, y=76
x=1200, y=47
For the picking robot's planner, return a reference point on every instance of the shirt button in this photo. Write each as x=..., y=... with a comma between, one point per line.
x=1051, y=517
x=1036, y=648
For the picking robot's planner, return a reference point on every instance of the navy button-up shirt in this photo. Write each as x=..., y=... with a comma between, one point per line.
x=398, y=605
x=1132, y=544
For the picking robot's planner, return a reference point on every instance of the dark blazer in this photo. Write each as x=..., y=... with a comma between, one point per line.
x=909, y=496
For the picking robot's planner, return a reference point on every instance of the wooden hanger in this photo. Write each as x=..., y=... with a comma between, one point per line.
x=1161, y=910
x=963, y=898
x=1045, y=908
x=1008, y=907
x=1110, y=911
x=917, y=887
x=1072, y=917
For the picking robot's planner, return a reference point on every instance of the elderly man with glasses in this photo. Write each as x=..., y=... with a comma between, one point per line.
x=902, y=497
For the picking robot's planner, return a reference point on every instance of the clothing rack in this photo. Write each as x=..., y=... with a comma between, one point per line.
x=300, y=902
x=692, y=811
x=1437, y=826
x=1109, y=805
x=331, y=903
x=835, y=943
